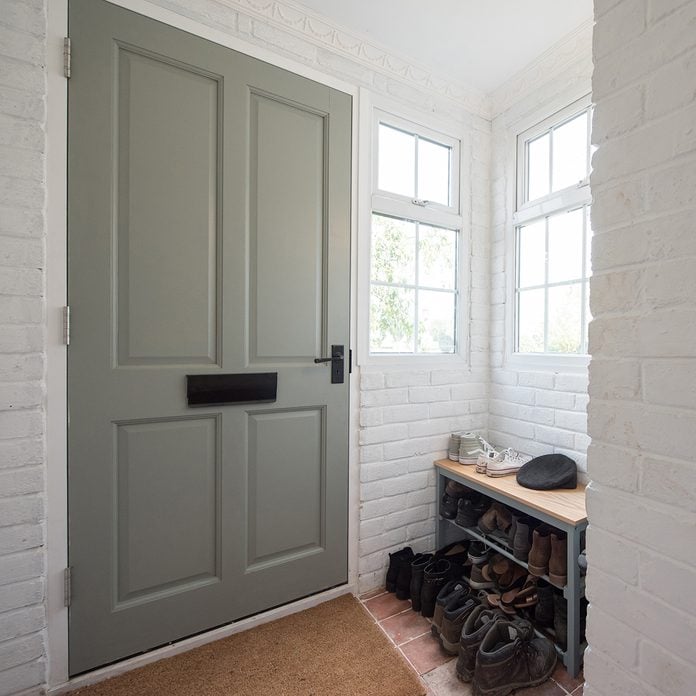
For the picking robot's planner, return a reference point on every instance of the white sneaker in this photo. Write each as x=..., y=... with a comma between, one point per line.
x=453, y=447
x=490, y=455
x=509, y=461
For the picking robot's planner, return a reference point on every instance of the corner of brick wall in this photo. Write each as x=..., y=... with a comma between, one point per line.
x=642, y=410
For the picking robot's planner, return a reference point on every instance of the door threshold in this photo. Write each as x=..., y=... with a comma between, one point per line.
x=186, y=644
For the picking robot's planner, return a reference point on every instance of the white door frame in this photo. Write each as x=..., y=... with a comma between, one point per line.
x=56, y=353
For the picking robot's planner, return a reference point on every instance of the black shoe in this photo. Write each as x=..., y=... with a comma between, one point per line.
x=469, y=510
x=437, y=573
x=403, y=579
x=479, y=552
x=543, y=611
x=448, y=506
x=475, y=628
x=420, y=560
x=394, y=565
x=449, y=592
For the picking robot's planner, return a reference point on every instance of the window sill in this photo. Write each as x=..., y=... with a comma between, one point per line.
x=399, y=361
x=547, y=362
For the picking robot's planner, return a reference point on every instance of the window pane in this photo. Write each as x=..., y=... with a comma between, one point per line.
x=396, y=161
x=437, y=257
x=530, y=321
x=538, y=174
x=435, y=322
x=532, y=254
x=570, y=153
x=588, y=243
x=433, y=172
x=393, y=250
x=565, y=246
x=565, y=319
x=392, y=320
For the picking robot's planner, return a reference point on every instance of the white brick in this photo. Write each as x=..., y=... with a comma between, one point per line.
x=612, y=554
x=614, y=466
x=371, y=416
x=670, y=383
x=383, y=433
x=21, y=678
x=384, y=397
x=22, y=622
x=406, y=379
x=405, y=413
x=666, y=579
x=371, y=380
x=602, y=633
x=20, y=651
x=666, y=673
x=615, y=379
x=21, y=594
x=428, y=394
x=20, y=538
x=669, y=481
x=570, y=420
x=554, y=399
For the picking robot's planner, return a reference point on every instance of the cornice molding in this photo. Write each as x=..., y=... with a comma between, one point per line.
x=291, y=17
x=575, y=49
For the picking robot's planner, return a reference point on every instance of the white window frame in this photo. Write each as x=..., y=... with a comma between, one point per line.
x=375, y=109
x=526, y=212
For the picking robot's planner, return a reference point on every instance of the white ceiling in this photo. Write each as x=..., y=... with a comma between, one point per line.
x=476, y=42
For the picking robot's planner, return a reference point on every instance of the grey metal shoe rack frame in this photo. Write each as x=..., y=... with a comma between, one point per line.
x=563, y=509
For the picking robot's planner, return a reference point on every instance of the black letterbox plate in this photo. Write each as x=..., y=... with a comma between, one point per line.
x=241, y=388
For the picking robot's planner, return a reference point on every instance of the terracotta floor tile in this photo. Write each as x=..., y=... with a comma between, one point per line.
x=425, y=653
x=562, y=677
x=442, y=681
x=405, y=626
x=385, y=605
x=548, y=688
x=371, y=593
x=578, y=691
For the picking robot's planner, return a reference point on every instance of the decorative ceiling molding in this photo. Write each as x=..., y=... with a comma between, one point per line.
x=575, y=49
x=291, y=17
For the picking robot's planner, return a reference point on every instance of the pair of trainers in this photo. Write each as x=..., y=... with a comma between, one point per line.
x=503, y=463
x=466, y=448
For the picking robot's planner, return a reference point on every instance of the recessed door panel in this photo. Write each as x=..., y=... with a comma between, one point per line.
x=167, y=506
x=287, y=177
x=168, y=141
x=286, y=497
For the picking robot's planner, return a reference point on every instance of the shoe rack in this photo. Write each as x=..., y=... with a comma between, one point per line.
x=563, y=509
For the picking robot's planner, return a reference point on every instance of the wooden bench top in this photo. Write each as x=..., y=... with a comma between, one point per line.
x=563, y=504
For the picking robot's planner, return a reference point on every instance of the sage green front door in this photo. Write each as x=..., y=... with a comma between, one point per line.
x=208, y=214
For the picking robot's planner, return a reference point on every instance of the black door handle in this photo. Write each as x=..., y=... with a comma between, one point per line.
x=336, y=360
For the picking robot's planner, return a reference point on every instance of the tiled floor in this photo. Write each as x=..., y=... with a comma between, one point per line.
x=410, y=632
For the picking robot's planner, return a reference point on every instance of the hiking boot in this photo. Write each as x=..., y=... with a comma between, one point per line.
x=521, y=543
x=558, y=560
x=507, y=462
x=543, y=611
x=456, y=613
x=394, y=566
x=450, y=592
x=540, y=552
x=560, y=620
x=403, y=579
x=477, y=580
x=437, y=573
x=512, y=657
x=448, y=506
x=474, y=630
x=479, y=552
x=469, y=510
x=418, y=564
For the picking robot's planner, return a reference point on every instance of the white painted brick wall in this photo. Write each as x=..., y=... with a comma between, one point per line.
x=534, y=409
x=642, y=412
x=22, y=230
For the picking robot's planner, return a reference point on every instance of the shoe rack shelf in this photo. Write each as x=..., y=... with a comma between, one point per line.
x=563, y=509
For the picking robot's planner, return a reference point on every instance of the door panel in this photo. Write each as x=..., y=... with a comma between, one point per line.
x=168, y=182
x=208, y=223
x=287, y=166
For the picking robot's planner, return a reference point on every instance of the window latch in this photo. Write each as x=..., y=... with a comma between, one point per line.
x=420, y=202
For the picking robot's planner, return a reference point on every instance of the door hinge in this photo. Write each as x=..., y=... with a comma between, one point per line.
x=67, y=56
x=66, y=325
x=67, y=586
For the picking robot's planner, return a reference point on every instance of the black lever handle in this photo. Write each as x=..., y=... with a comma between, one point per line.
x=336, y=360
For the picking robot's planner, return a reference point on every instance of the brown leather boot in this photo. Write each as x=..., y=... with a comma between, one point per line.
x=511, y=657
x=558, y=561
x=540, y=552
